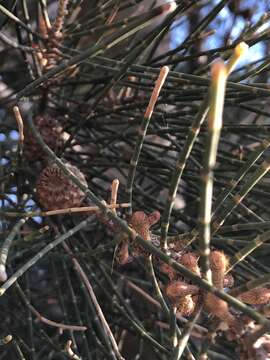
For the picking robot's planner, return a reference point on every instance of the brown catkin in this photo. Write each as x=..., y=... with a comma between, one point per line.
x=190, y=261
x=219, y=308
x=218, y=264
x=59, y=21
x=178, y=289
x=141, y=223
x=258, y=296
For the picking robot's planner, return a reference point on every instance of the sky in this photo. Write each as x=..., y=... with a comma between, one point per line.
x=223, y=24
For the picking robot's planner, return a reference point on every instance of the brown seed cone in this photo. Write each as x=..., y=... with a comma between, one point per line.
x=186, y=305
x=51, y=132
x=190, y=261
x=219, y=308
x=56, y=191
x=179, y=289
x=258, y=296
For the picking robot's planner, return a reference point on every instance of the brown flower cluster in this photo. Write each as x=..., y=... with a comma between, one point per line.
x=141, y=223
x=181, y=293
x=178, y=289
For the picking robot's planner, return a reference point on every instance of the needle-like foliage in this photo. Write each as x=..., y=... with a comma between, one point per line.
x=134, y=185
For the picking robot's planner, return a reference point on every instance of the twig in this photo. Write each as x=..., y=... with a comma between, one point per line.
x=70, y=352
x=186, y=151
x=12, y=43
x=217, y=94
x=5, y=340
x=142, y=132
x=44, y=319
x=114, y=191
x=65, y=211
x=98, y=308
x=252, y=284
x=19, y=120
x=6, y=246
x=187, y=331
x=243, y=253
x=40, y=254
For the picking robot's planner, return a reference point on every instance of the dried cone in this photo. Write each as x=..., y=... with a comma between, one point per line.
x=56, y=191
x=50, y=131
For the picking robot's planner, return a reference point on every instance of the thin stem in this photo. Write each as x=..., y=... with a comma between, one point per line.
x=90, y=209
x=183, y=340
x=40, y=254
x=243, y=253
x=217, y=94
x=142, y=132
x=70, y=352
x=6, y=246
x=98, y=309
x=44, y=319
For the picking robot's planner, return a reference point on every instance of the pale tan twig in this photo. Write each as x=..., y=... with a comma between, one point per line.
x=44, y=319
x=19, y=120
x=65, y=211
x=5, y=340
x=156, y=91
x=114, y=191
x=142, y=131
x=70, y=352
